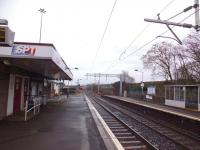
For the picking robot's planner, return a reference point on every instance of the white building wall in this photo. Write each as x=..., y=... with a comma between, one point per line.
x=11, y=94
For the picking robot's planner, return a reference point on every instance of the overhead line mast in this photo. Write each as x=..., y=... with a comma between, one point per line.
x=99, y=75
x=196, y=5
x=184, y=25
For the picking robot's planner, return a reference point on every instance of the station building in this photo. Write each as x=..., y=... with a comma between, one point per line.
x=28, y=70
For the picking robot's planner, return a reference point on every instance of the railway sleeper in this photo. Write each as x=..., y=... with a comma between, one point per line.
x=126, y=138
x=119, y=127
x=130, y=143
x=120, y=131
x=108, y=118
x=121, y=134
x=114, y=125
x=142, y=147
x=111, y=121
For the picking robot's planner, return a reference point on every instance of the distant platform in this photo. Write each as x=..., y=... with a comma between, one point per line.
x=189, y=114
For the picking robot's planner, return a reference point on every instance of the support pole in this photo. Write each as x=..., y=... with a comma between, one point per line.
x=196, y=14
x=99, y=83
x=26, y=108
x=178, y=40
x=120, y=86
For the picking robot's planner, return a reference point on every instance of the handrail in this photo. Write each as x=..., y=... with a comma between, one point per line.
x=35, y=107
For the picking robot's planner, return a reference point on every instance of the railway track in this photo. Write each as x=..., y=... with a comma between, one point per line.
x=177, y=135
x=128, y=138
x=181, y=141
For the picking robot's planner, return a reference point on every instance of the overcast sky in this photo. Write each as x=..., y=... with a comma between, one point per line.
x=76, y=27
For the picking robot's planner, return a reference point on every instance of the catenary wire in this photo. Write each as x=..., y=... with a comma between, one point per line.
x=103, y=35
x=138, y=35
x=164, y=8
x=143, y=30
x=183, y=11
x=147, y=43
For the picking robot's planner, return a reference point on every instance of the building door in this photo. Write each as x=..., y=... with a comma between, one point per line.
x=17, y=94
x=4, y=82
x=26, y=90
x=34, y=90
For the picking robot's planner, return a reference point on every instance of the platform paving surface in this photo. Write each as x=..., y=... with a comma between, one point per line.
x=61, y=125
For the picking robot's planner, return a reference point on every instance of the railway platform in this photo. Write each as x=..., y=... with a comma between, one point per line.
x=186, y=119
x=193, y=115
x=63, y=124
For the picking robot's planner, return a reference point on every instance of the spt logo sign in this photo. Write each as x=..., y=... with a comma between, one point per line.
x=23, y=50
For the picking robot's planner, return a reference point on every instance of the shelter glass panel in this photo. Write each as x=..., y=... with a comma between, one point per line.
x=167, y=92
x=170, y=93
x=2, y=34
x=192, y=97
x=179, y=93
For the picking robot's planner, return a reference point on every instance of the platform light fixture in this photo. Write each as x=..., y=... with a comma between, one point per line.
x=71, y=68
x=142, y=83
x=3, y=22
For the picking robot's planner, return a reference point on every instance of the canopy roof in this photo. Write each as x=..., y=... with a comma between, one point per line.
x=41, y=58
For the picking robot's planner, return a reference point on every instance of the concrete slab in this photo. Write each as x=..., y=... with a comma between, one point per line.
x=66, y=125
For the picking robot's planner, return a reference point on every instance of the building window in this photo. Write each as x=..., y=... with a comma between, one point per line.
x=179, y=93
x=2, y=34
x=170, y=93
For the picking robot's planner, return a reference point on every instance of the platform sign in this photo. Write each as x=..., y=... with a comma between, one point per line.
x=23, y=50
x=142, y=84
x=2, y=34
x=151, y=90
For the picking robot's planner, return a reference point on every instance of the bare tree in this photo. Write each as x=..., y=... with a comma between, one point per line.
x=126, y=77
x=160, y=58
x=191, y=47
x=175, y=62
x=182, y=63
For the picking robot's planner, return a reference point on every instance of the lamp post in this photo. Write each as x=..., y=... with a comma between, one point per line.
x=142, y=84
x=42, y=11
x=78, y=82
x=75, y=68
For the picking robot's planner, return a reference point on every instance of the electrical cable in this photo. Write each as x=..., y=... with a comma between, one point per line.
x=143, y=30
x=144, y=45
x=183, y=11
x=103, y=35
x=140, y=34
x=166, y=6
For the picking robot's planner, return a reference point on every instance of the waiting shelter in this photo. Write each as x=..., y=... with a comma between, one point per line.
x=183, y=96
